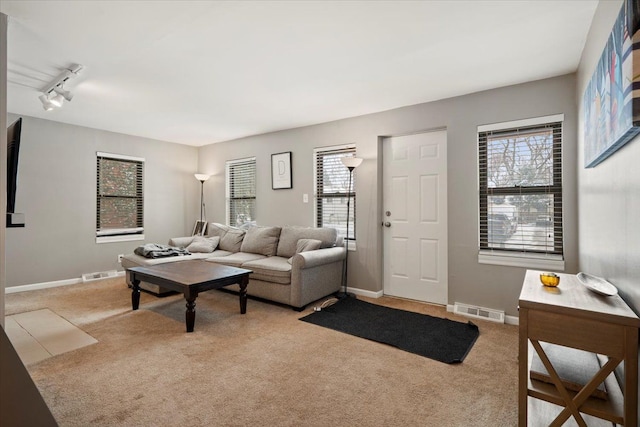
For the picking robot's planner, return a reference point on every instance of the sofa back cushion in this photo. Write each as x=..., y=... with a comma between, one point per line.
x=290, y=235
x=261, y=240
x=230, y=237
x=215, y=229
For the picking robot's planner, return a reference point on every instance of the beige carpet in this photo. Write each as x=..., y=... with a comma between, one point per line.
x=262, y=368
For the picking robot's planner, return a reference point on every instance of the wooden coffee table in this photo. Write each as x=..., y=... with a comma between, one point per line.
x=190, y=278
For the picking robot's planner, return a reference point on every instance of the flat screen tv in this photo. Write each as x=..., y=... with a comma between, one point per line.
x=13, y=149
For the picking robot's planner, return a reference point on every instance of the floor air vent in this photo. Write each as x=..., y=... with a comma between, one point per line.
x=479, y=312
x=87, y=277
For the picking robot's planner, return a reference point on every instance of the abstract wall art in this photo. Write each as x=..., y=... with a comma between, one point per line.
x=612, y=97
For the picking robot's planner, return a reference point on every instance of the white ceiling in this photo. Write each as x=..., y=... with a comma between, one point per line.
x=199, y=72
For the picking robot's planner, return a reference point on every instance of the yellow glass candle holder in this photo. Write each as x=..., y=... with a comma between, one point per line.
x=550, y=279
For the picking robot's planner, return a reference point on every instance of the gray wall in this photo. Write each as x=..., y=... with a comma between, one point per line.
x=57, y=194
x=609, y=194
x=4, y=21
x=469, y=282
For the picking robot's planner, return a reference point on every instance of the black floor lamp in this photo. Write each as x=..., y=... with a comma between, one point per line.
x=351, y=163
x=202, y=178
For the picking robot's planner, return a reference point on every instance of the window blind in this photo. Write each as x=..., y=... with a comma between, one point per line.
x=119, y=195
x=520, y=185
x=241, y=191
x=332, y=182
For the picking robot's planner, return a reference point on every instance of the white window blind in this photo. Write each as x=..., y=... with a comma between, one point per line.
x=241, y=191
x=332, y=182
x=119, y=195
x=520, y=185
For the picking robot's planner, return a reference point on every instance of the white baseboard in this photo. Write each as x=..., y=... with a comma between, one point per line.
x=365, y=293
x=46, y=285
x=512, y=320
x=509, y=320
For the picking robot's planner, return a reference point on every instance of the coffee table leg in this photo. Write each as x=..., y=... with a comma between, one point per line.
x=243, y=294
x=190, y=315
x=135, y=294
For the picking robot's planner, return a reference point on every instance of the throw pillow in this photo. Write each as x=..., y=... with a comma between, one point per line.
x=203, y=244
x=291, y=234
x=305, y=245
x=261, y=240
x=181, y=242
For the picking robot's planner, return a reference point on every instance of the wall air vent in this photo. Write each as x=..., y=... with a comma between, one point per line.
x=479, y=312
x=88, y=277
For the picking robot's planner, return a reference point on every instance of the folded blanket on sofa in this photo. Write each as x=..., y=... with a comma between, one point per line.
x=153, y=250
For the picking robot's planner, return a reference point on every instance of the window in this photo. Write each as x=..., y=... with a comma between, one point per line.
x=332, y=182
x=520, y=177
x=241, y=191
x=119, y=198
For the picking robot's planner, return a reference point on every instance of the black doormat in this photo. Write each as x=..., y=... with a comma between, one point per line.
x=439, y=339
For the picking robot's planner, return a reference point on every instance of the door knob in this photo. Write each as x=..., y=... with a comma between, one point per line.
x=387, y=224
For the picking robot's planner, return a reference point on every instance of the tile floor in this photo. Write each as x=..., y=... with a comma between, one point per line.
x=37, y=335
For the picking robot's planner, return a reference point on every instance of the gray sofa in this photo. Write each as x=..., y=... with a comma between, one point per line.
x=290, y=265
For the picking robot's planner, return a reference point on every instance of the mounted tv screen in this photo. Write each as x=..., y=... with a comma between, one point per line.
x=13, y=149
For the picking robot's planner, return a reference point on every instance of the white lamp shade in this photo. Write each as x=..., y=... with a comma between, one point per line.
x=202, y=177
x=351, y=162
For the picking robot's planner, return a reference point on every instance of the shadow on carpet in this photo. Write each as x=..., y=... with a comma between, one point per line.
x=443, y=340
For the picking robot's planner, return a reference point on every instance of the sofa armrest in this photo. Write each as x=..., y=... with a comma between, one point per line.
x=318, y=257
x=315, y=274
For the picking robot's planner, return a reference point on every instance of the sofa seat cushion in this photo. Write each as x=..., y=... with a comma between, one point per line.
x=290, y=235
x=219, y=253
x=261, y=240
x=236, y=259
x=271, y=269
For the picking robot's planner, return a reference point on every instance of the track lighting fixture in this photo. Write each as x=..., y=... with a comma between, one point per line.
x=54, y=93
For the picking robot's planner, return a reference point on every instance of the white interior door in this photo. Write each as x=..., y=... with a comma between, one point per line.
x=415, y=216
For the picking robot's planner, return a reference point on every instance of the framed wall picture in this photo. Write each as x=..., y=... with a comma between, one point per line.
x=281, y=174
x=200, y=228
x=611, y=105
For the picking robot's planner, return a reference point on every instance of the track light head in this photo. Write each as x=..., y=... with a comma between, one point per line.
x=66, y=94
x=57, y=100
x=46, y=103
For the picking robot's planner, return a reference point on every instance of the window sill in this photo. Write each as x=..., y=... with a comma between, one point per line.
x=540, y=262
x=124, y=238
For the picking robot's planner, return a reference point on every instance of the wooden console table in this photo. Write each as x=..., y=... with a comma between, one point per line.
x=573, y=316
